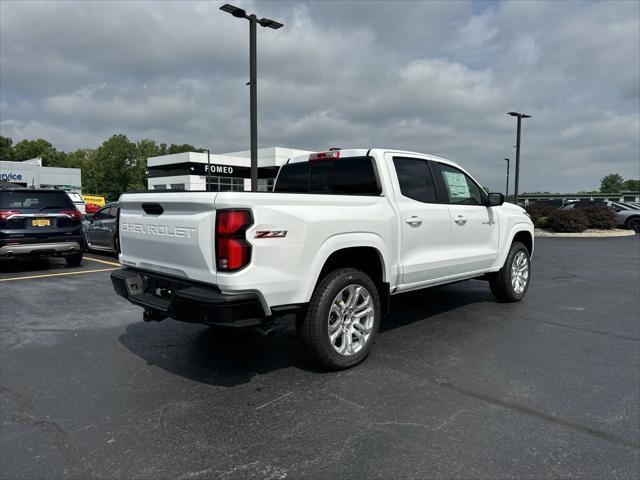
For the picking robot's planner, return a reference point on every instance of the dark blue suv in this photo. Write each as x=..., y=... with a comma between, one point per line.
x=40, y=223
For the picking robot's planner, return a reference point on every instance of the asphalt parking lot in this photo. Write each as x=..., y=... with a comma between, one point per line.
x=457, y=385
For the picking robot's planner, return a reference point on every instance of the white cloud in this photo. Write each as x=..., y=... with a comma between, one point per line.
x=430, y=76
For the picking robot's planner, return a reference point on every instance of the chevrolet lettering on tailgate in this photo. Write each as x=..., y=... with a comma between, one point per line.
x=159, y=230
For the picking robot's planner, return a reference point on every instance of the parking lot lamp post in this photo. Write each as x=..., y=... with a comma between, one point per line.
x=506, y=190
x=208, y=169
x=520, y=116
x=253, y=86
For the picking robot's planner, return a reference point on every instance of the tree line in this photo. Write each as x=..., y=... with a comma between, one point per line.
x=117, y=165
x=614, y=183
x=120, y=165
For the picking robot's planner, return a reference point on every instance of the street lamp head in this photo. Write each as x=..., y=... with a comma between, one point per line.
x=267, y=22
x=516, y=114
x=235, y=11
x=506, y=159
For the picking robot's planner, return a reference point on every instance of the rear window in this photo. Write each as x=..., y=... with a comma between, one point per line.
x=35, y=199
x=343, y=176
x=414, y=177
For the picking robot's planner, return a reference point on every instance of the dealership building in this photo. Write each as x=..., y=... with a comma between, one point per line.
x=225, y=171
x=31, y=173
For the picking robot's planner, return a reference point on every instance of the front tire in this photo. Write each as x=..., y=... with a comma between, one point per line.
x=511, y=282
x=74, y=260
x=343, y=319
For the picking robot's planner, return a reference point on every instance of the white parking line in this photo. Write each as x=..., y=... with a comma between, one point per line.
x=101, y=261
x=62, y=274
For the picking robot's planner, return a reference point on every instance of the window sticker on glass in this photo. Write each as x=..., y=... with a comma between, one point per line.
x=457, y=184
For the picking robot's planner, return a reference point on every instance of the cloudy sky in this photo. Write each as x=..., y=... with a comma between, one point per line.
x=430, y=76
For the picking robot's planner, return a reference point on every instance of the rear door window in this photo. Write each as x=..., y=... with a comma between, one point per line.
x=415, y=179
x=342, y=176
x=37, y=200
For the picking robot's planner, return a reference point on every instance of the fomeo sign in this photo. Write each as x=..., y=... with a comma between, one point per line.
x=10, y=176
x=226, y=169
x=199, y=168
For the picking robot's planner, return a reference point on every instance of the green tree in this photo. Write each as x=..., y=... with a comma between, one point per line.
x=631, y=185
x=144, y=149
x=27, y=149
x=185, y=147
x=7, y=151
x=611, y=183
x=112, y=168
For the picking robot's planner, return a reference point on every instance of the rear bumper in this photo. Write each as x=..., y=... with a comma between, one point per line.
x=181, y=299
x=52, y=249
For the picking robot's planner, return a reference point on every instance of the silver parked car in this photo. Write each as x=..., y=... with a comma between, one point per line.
x=101, y=230
x=627, y=214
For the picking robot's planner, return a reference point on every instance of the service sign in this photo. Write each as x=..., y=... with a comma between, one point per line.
x=11, y=177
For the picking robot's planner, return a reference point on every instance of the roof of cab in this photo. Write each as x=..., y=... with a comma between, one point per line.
x=361, y=152
x=19, y=188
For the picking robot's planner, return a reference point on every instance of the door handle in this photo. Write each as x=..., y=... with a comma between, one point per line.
x=460, y=220
x=414, y=220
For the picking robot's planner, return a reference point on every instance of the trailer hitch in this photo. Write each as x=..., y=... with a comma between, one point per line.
x=153, y=316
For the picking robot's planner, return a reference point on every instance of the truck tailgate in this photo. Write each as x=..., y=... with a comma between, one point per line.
x=169, y=232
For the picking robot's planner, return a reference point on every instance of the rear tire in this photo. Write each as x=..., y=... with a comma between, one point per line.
x=74, y=260
x=511, y=282
x=633, y=223
x=343, y=319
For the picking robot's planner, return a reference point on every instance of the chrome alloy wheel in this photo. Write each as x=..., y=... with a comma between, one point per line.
x=520, y=272
x=351, y=319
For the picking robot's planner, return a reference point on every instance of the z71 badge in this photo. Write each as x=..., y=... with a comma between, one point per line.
x=271, y=234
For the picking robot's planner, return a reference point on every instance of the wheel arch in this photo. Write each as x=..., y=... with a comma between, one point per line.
x=520, y=232
x=631, y=217
x=524, y=237
x=366, y=255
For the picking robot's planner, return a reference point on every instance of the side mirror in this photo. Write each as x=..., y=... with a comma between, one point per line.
x=495, y=199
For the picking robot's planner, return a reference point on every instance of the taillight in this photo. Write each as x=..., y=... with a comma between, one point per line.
x=233, y=252
x=75, y=214
x=332, y=155
x=5, y=214
x=92, y=208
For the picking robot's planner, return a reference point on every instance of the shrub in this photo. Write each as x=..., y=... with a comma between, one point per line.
x=538, y=210
x=601, y=218
x=541, y=222
x=573, y=220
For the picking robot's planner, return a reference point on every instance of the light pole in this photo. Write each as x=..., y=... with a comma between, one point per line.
x=208, y=169
x=506, y=190
x=253, y=87
x=517, y=182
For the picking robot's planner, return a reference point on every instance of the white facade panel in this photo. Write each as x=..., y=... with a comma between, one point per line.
x=31, y=174
x=228, y=171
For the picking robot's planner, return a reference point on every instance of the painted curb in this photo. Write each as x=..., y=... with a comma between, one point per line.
x=614, y=233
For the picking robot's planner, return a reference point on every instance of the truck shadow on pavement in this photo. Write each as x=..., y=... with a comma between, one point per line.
x=230, y=357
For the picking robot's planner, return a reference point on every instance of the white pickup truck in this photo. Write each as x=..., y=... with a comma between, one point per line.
x=342, y=232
